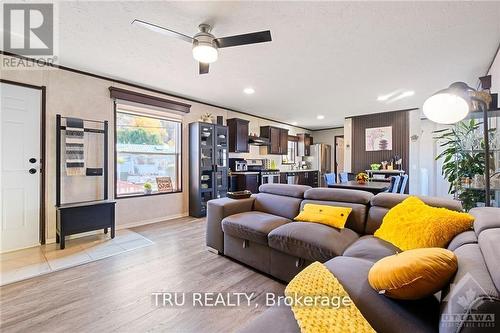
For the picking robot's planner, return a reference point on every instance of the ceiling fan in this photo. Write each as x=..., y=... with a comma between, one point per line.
x=205, y=45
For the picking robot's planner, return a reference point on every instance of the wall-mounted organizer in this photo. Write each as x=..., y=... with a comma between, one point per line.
x=77, y=217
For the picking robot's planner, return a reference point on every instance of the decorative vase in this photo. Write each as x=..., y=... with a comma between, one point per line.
x=148, y=191
x=361, y=182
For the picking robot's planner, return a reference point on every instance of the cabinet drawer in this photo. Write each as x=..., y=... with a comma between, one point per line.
x=86, y=218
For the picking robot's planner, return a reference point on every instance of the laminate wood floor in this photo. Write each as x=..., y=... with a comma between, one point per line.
x=115, y=294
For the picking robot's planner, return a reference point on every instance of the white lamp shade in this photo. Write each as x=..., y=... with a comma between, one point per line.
x=205, y=53
x=445, y=108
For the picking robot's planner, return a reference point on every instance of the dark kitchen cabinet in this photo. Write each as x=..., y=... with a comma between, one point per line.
x=305, y=143
x=278, y=140
x=310, y=178
x=248, y=182
x=238, y=135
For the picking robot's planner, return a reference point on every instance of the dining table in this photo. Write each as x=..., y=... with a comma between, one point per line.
x=370, y=186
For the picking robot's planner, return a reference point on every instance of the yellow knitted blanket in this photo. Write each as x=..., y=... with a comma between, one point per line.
x=320, y=304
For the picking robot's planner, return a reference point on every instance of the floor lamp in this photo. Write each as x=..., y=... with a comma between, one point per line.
x=453, y=104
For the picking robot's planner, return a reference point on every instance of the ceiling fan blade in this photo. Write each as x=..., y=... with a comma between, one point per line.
x=162, y=30
x=251, y=38
x=203, y=68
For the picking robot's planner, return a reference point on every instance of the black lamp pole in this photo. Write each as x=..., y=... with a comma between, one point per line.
x=483, y=106
x=487, y=198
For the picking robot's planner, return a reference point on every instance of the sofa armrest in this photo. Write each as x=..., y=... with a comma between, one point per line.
x=217, y=210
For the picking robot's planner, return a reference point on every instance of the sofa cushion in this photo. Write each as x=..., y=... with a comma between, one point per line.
x=277, y=319
x=384, y=314
x=485, y=218
x=412, y=224
x=467, y=237
x=253, y=226
x=338, y=194
x=382, y=202
x=370, y=248
x=489, y=243
x=277, y=205
x=311, y=241
x=413, y=274
x=288, y=190
x=471, y=291
x=356, y=219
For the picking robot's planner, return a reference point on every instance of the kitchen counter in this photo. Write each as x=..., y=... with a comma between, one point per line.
x=300, y=170
x=245, y=173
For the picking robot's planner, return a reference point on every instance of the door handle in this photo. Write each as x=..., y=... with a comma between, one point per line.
x=32, y=170
x=32, y=160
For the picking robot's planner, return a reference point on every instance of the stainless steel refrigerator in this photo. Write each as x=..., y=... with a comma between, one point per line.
x=321, y=155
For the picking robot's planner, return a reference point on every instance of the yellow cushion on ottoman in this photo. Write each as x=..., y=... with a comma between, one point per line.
x=413, y=274
x=324, y=214
x=412, y=224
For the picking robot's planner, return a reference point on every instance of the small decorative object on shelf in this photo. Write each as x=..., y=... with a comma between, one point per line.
x=148, y=188
x=164, y=184
x=375, y=166
x=361, y=178
x=207, y=118
x=384, y=165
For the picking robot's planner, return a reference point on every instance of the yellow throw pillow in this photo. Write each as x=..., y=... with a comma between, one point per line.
x=412, y=224
x=413, y=274
x=330, y=215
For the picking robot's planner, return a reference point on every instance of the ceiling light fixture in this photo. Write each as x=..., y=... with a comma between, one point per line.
x=205, y=52
x=320, y=117
x=249, y=90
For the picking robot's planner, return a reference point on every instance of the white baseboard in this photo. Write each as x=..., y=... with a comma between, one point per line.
x=151, y=221
x=122, y=226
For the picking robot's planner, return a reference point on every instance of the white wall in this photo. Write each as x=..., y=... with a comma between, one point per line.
x=77, y=95
x=348, y=145
x=328, y=137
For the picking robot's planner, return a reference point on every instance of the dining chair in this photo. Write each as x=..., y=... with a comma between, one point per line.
x=346, y=176
x=404, y=182
x=393, y=188
x=330, y=178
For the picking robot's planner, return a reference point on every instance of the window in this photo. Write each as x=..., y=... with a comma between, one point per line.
x=148, y=151
x=290, y=157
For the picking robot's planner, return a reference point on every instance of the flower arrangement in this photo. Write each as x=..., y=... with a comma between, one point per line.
x=361, y=178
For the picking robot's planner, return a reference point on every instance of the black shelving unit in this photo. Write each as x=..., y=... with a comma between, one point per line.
x=78, y=217
x=208, y=165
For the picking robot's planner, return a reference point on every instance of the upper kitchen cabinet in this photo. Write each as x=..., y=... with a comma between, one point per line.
x=305, y=143
x=238, y=135
x=278, y=140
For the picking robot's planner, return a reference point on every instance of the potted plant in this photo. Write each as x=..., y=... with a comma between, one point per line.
x=463, y=159
x=361, y=178
x=148, y=188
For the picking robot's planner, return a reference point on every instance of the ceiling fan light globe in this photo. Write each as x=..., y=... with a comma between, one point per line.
x=445, y=108
x=205, y=53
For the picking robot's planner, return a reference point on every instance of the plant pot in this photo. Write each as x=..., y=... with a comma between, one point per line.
x=361, y=182
x=148, y=191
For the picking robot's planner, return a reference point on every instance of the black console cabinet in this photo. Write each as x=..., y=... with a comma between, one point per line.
x=81, y=217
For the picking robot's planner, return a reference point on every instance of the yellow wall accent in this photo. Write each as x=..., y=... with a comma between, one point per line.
x=412, y=224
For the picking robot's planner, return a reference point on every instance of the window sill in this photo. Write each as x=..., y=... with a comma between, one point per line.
x=139, y=195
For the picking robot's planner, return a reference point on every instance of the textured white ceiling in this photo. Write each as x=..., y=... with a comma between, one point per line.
x=329, y=58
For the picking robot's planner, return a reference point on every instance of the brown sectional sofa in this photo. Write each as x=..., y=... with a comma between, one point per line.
x=260, y=232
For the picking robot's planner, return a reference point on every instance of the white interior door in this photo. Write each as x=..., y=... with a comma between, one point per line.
x=20, y=166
